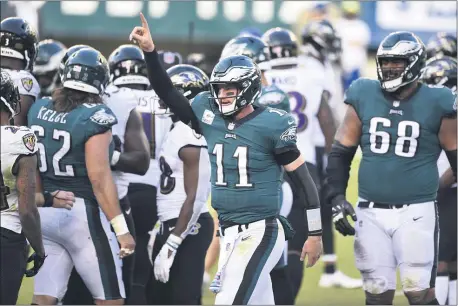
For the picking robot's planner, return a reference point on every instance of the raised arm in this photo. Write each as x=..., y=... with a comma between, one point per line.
x=159, y=79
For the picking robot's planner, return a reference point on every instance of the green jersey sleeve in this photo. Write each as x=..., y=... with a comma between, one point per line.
x=353, y=94
x=99, y=119
x=284, y=134
x=447, y=102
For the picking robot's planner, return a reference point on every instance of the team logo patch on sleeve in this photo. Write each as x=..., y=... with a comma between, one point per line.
x=29, y=141
x=27, y=83
x=289, y=134
x=103, y=118
x=208, y=117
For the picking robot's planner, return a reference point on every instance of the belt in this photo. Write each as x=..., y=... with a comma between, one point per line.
x=240, y=227
x=367, y=204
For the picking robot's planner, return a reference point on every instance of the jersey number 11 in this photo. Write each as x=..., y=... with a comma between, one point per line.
x=241, y=153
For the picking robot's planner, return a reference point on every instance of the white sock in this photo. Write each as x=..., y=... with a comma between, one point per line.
x=441, y=289
x=452, y=292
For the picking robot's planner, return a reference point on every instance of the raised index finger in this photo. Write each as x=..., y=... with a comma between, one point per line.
x=144, y=22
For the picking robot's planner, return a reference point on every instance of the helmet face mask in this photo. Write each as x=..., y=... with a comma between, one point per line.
x=18, y=40
x=47, y=63
x=128, y=66
x=282, y=43
x=235, y=83
x=400, y=58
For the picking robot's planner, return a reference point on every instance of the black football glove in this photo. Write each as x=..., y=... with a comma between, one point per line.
x=37, y=263
x=340, y=210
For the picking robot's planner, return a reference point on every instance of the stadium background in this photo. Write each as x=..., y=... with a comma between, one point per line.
x=188, y=26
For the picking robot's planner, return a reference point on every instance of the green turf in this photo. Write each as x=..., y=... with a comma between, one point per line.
x=310, y=293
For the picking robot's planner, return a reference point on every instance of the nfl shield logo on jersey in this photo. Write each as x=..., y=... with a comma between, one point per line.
x=27, y=83
x=29, y=141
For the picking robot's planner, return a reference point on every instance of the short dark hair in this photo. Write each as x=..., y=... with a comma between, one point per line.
x=66, y=99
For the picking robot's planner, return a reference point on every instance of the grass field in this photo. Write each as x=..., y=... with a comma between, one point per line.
x=310, y=293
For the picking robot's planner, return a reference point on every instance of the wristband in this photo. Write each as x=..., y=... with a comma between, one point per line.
x=119, y=225
x=174, y=241
x=314, y=221
x=115, y=158
x=48, y=199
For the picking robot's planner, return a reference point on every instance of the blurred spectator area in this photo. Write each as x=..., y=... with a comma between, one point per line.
x=107, y=24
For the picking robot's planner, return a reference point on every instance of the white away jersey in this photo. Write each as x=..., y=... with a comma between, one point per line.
x=15, y=142
x=304, y=86
x=121, y=101
x=156, y=125
x=171, y=194
x=25, y=81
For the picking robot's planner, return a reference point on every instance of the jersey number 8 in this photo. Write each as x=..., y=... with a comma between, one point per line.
x=406, y=146
x=298, y=104
x=57, y=135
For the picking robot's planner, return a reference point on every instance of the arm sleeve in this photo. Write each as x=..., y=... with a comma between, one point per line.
x=164, y=88
x=338, y=171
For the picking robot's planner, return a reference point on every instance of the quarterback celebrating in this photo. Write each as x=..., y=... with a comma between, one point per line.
x=246, y=156
x=401, y=125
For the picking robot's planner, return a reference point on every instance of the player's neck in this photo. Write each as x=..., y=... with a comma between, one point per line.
x=407, y=91
x=4, y=118
x=244, y=112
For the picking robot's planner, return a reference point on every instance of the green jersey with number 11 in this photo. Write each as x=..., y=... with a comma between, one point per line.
x=399, y=141
x=61, y=143
x=246, y=178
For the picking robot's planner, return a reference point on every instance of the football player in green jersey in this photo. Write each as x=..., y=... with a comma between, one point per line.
x=74, y=131
x=248, y=147
x=401, y=126
x=274, y=97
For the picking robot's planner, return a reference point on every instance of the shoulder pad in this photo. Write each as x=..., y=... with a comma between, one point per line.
x=27, y=84
x=103, y=116
x=445, y=98
x=21, y=140
x=357, y=89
